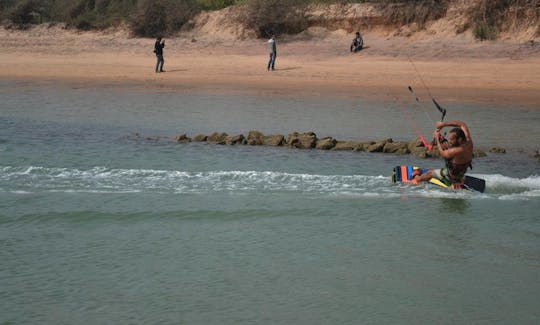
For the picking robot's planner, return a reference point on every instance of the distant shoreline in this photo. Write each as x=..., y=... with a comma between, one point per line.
x=453, y=70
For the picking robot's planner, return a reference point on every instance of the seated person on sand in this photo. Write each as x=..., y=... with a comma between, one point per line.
x=357, y=43
x=458, y=155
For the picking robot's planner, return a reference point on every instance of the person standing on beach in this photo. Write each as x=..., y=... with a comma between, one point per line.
x=458, y=155
x=357, y=43
x=158, y=49
x=273, y=53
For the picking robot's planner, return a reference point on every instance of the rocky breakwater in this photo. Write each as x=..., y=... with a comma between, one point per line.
x=309, y=140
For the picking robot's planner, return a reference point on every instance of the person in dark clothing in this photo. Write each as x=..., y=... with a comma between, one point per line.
x=357, y=43
x=158, y=49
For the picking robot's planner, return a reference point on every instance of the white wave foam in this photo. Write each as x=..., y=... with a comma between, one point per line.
x=512, y=188
x=497, y=180
x=101, y=179
x=94, y=191
x=21, y=192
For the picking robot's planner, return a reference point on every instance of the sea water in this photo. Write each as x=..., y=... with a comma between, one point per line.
x=105, y=220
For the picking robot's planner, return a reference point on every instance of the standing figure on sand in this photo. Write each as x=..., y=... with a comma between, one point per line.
x=273, y=53
x=357, y=43
x=158, y=49
x=458, y=154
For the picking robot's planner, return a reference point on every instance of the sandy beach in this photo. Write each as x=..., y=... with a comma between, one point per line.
x=451, y=69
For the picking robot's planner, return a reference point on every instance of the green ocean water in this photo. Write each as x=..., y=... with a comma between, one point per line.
x=104, y=222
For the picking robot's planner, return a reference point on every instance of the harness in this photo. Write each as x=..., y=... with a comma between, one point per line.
x=457, y=171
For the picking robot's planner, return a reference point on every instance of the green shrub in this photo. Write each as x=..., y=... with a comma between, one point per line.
x=162, y=17
x=5, y=6
x=269, y=17
x=150, y=20
x=84, y=22
x=215, y=4
x=27, y=13
x=483, y=31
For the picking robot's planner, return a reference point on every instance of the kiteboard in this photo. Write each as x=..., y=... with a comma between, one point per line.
x=404, y=174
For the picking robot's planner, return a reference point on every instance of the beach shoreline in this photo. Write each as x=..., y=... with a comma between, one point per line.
x=497, y=73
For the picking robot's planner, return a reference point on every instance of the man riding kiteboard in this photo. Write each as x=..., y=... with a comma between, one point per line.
x=458, y=154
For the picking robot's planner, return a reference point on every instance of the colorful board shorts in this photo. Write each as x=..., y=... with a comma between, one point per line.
x=444, y=176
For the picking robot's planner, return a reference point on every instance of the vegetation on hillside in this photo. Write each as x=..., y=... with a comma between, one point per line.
x=267, y=17
x=488, y=18
x=163, y=17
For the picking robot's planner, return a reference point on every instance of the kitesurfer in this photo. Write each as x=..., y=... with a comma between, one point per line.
x=458, y=155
